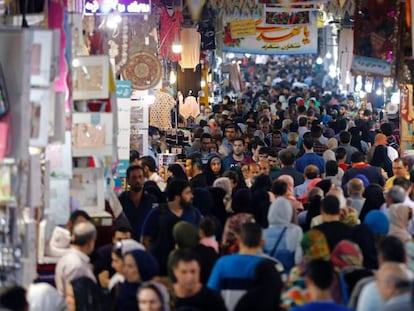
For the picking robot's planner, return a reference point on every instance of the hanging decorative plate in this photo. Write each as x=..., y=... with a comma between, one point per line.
x=144, y=70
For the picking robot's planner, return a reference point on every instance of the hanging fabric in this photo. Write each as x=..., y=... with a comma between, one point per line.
x=190, y=108
x=190, y=41
x=160, y=111
x=170, y=25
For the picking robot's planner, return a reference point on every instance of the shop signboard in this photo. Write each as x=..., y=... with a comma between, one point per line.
x=270, y=31
x=93, y=7
x=123, y=95
x=376, y=33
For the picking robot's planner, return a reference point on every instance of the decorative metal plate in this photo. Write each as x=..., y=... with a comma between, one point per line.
x=144, y=70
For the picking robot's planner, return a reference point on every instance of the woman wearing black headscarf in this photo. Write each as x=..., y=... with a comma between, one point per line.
x=381, y=159
x=139, y=266
x=83, y=294
x=214, y=169
x=374, y=198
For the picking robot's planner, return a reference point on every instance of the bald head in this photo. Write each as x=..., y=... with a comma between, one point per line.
x=355, y=186
x=83, y=233
x=396, y=195
x=392, y=280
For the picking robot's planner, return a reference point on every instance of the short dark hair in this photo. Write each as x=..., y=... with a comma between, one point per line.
x=251, y=234
x=287, y=157
x=307, y=140
x=330, y=205
x=13, y=298
x=148, y=161
x=272, y=153
x=208, y=226
x=340, y=153
x=205, y=135
x=316, y=131
x=196, y=160
x=344, y=137
x=123, y=229
x=357, y=157
x=303, y=121
x=279, y=187
x=321, y=273
x=237, y=139
x=404, y=162
x=392, y=248
x=79, y=213
x=331, y=168
x=402, y=182
x=386, y=129
x=264, y=150
x=185, y=255
x=133, y=168
x=231, y=126
x=133, y=155
x=152, y=130
x=176, y=187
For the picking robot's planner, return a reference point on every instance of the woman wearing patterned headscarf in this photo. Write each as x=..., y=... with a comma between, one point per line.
x=314, y=246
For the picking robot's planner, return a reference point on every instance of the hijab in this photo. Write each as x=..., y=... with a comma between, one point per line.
x=185, y=234
x=148, y=268
x=43, y=296
x=381, y=159
x=161, y=291
x=203, y=200
x=364, y=237
x=399, y=219
x=87, y=294
x=210, y=175
x=374, y=198
x=315, y=245
x=345, y=254
x=280, y=212
x=242, y=201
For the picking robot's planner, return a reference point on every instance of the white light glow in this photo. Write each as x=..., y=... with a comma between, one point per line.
x=378, y=91
x=75, y=62
x=177, y=48
x=328, y=55
x=203, y=83
x=348, y=78
x=395, y=97
x=247, y=55
x=362, y=94
x=230, y=55
x=173, y=77
x=319, y=60
x=387, y=83
x=368, y=86
x=332, y=71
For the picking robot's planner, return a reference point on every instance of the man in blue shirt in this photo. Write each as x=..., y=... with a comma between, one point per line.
x=136, y=203
x=309, y=157
x=233, y=275
x=157, y=228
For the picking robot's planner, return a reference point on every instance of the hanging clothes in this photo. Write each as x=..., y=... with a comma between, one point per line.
x=160, y=111
x=190, y=108
x=346, y=48
x=190, y=41
x=170, y=24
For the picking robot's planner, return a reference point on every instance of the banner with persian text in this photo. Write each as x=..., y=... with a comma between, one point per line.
x=270, y=31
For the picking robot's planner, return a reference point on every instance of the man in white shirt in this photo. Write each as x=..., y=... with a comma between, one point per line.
x=75, y=263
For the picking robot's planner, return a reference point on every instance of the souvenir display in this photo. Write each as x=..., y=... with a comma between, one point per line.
x=144, y=70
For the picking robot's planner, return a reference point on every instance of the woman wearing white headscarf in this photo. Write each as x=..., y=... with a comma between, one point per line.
x=399, y=215
x=43, y=296
x=282, y=238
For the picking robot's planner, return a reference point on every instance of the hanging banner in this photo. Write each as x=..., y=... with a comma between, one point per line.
x=273, y=34
x=275, y=30
x=375, y=37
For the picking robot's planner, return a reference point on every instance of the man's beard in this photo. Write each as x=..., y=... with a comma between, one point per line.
x=185, y=204
x=136, y=187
